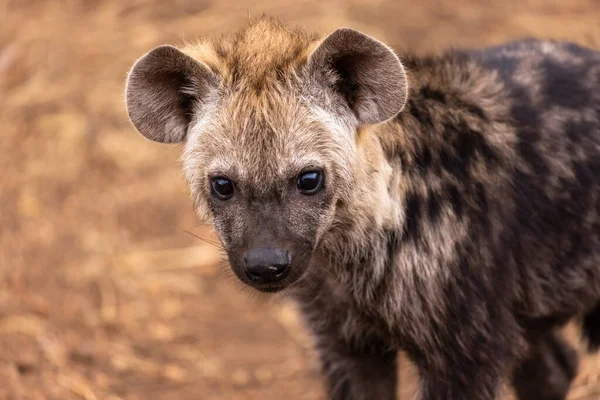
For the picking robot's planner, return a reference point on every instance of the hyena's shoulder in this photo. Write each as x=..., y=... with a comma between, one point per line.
x=520, y=123
x=504, y=142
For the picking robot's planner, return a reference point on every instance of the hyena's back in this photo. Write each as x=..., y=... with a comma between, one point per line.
x=555, y=107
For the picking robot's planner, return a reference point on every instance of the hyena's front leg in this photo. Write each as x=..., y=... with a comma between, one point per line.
x=354, y=367
x=363, y=370
x=547, y=371
x=469, y=359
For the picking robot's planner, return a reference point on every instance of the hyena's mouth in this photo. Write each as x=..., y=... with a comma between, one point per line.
x=271, y=289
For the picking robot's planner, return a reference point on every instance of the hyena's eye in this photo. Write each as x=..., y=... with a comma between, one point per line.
x=310, y=182
x=222, y=188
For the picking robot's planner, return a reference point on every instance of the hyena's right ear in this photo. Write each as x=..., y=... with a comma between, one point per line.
x=364, y=72
x=164, y=89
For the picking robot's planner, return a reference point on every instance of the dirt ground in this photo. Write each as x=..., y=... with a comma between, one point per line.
x=103, y=295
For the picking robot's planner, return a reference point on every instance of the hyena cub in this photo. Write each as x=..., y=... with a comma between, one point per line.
x=448, y=206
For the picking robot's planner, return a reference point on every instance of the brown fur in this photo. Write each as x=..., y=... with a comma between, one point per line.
x=256, y=58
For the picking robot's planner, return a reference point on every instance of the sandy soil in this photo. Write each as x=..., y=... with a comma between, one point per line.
x=102, y=293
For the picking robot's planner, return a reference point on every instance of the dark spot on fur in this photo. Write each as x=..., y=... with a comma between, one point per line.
x=564, y=85
x=418, y=109
x=471, y=142
x=434, y=207
x=423, y=159
x=481, y=196
x=523, y=113
x=579, y=131
x=534, y=210
x=392, y=245
x=452, y=164
x=413, y=215
x=466, y=144
x=586, y=178
x=528, y=124
x=530, y=154
x=472, y=109
x=433, y=94
x=583, y=175
x=456, y=201
x=483, y=209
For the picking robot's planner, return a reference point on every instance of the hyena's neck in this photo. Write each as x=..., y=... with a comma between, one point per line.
x=423, y=177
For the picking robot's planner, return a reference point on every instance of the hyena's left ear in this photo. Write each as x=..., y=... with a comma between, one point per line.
x=364, y=71
x=164, y=89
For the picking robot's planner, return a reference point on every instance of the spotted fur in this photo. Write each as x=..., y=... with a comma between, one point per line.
x=460, y=218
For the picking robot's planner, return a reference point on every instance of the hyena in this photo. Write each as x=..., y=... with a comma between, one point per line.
x=447, y=206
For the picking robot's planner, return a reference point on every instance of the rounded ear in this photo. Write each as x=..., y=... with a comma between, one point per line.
x=364, y=71
x=164, y=89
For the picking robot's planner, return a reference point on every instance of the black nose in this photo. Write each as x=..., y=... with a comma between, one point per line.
x=267, y=265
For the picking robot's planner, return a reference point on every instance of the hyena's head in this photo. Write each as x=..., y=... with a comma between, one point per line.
x=269, y=120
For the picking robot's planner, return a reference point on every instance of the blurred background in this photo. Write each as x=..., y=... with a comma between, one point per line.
x=102, y=293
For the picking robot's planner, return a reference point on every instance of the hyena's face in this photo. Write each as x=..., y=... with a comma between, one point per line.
x=269, y=181
x=270, y=146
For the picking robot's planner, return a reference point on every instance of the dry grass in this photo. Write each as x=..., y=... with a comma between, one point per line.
x=102, y=293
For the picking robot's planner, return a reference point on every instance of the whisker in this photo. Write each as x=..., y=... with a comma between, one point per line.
x=217, y=245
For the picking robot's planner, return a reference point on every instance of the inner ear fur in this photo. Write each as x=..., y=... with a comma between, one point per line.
x=364, y=71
